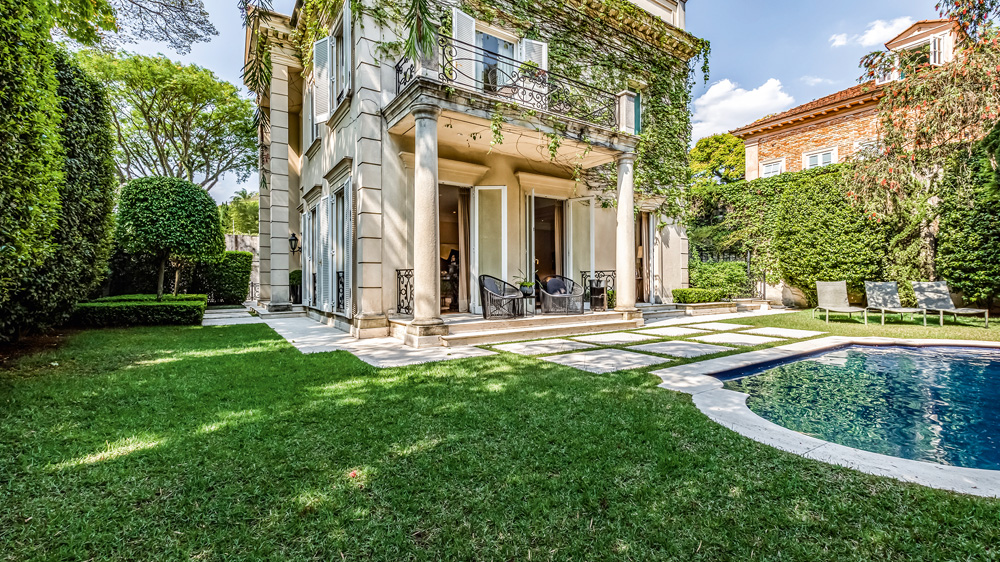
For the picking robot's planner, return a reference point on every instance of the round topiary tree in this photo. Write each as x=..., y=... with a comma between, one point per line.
x=168, y=218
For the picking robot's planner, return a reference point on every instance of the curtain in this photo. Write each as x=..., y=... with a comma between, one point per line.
x=463, y=250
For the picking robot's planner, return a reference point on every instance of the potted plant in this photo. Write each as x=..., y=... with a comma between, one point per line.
x=526, y=285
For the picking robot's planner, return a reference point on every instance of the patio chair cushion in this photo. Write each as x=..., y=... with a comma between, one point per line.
x=933, y=295
x=555, y=286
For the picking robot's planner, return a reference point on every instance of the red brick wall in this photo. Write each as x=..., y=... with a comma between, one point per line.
x=841, y=131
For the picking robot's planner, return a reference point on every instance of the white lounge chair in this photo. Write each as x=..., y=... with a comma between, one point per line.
x=934, y=296
x=884, y=297
x=832, y=296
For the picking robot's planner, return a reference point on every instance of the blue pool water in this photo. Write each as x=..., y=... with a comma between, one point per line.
x=937, y=404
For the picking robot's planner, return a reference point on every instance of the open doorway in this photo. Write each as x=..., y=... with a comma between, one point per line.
x=548, y=237
x=454, y=251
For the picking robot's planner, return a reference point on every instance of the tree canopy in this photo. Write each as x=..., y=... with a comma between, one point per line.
x=178, y=23
x=240, y=215
x=176, y=120
x=718, y=159
x=168, y=218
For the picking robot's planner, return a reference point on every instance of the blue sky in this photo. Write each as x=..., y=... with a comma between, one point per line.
x=766, y=56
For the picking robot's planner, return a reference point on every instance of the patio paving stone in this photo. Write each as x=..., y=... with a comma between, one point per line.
x=605, y=360
x=684, y=349
x=544, y=347
x=717, y=326
x=736, y=339
x=784, y=333
x=673, y=332
x=614, y=338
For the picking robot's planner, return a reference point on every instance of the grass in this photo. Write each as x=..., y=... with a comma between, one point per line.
x=225, y=443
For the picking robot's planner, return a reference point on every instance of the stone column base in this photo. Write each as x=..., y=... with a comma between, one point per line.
x=424, y=336
x=370, y=326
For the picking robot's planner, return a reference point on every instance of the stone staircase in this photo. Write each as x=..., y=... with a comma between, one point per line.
x=654, y=312
x=482, y=332
x=296, y=311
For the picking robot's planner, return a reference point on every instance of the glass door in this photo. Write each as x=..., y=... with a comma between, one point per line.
x=580, y=238
x=529, y=235
x=489, y=237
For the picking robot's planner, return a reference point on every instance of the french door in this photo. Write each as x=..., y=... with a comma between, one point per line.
x=488, y=237
x=580, y=237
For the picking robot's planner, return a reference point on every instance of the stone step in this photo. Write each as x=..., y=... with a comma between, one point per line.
x=530, y=322
x=661, y=315
x=544, y=331
x=231, y=313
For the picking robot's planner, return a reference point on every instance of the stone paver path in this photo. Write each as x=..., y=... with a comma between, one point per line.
x=544, y=347
x=605, y=360
x=684, y=349
x=614, y=338
x=309, y=336
x=673, y=332
x=736, y=339
x=717, y=326
x=784, y=333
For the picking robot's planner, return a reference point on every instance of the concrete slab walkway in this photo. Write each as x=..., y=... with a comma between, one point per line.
x=309, y=336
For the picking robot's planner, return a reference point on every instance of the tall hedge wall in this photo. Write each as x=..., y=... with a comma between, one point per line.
x=31, y=159
x=81, y=239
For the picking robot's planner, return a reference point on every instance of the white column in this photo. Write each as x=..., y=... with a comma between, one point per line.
x=278, y=191
x=625, y=236
x=426, y=234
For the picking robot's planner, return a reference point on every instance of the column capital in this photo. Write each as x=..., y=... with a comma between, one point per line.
x=625, y=157
x=425, y=111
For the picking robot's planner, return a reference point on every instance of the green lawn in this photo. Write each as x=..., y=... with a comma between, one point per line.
x=225, y=443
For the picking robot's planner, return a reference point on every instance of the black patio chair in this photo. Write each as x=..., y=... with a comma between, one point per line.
x=500, y=299
x=563, y=296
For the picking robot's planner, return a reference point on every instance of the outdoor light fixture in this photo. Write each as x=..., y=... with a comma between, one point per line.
x=293, y=243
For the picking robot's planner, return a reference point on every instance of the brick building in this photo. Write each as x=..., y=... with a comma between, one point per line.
x=832, y=128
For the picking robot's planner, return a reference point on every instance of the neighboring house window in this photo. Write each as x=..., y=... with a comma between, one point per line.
x=819, y=158
x=773, y=168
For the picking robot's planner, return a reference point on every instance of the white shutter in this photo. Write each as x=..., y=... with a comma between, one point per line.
x=345, y=86
x=321, y=80
x=348, y=225
x=331, y=254
x=534, y=51
x=463, y=28
x=307, y=243
x=323, y=264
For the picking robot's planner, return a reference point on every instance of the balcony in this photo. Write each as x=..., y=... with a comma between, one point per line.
x=508, y=80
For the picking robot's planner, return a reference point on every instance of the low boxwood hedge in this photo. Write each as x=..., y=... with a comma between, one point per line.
x=226, y=281
x=695, y=296
x=147, y=298
x=138, y=313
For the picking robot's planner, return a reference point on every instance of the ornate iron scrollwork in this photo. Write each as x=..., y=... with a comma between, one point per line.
x=404, y=291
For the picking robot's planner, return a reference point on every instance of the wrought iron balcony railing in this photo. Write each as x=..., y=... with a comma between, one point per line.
x=511, y=81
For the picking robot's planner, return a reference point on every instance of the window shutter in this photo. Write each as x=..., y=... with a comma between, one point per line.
x=348, y=225
x=323, y=264
x=321, y=80
x=348, y=54
x=463, y=30
x=536, y=52
x=304, y=241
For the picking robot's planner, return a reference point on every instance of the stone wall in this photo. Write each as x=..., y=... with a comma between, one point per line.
x=246, y=243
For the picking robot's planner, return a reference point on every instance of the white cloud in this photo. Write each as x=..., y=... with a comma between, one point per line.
x=726, y=106
x=838, y=40
x=877, y=33
x=815, y=80
x=880, y=31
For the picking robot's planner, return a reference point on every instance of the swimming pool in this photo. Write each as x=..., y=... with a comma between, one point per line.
x=933, y=404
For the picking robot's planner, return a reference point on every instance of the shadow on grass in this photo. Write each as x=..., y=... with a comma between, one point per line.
x=226, y=442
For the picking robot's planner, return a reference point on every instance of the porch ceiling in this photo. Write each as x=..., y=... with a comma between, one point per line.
x=469, y=133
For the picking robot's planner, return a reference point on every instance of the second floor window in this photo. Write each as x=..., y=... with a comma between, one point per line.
x=820, y=158
x=496, y=65
x=771, y=169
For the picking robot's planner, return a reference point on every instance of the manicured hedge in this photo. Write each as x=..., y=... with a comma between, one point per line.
x=148, y=298
x=695, y=296
x=728, y=277
x=295, y=277
x=138, y=313
x=225, y=281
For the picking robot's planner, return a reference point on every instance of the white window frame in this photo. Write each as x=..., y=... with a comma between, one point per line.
x=935, y=57
x=779, y=161
x=342, y=58
x=819, y=153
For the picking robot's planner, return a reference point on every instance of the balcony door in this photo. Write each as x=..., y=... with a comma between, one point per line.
x=489, y=237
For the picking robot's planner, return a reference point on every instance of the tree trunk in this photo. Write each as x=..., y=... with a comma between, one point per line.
x=177, y=279
x=159, y=282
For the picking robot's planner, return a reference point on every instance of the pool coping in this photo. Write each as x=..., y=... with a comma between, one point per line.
x=728, y=408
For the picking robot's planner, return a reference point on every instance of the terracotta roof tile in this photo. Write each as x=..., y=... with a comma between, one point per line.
x=862, y=91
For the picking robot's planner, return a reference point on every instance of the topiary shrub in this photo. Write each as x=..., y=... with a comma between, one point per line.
x=83, y=235
x=728, y=277
x=31, y=160
x=295, y=277
x=138, y=313
x=225, y=281
x=168, y=218
x=696, y=296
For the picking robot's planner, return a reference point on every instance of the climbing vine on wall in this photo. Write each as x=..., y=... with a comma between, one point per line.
x=587, y=41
